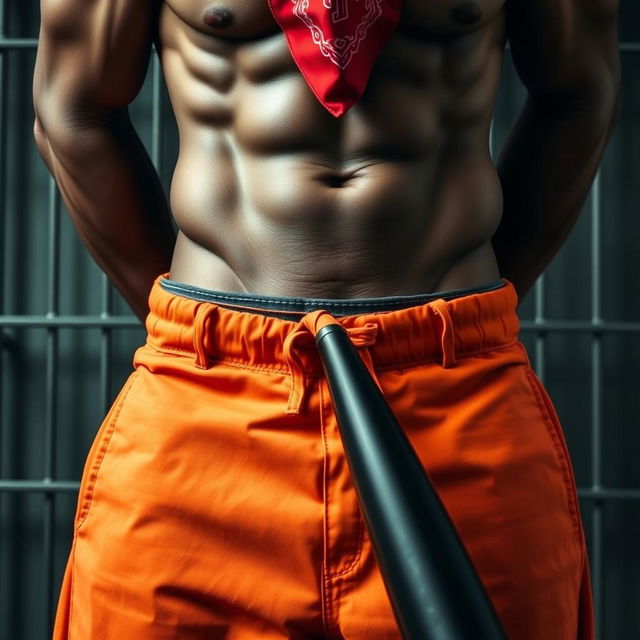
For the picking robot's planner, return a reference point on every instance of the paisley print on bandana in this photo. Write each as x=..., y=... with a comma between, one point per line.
x=335, y=43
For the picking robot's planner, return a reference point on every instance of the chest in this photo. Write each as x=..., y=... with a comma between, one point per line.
x=248, y=19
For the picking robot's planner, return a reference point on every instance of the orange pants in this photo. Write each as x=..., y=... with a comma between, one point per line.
x=216, y=500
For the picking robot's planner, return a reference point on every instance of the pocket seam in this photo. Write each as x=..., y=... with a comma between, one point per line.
x=563, y=456
x=86, y=498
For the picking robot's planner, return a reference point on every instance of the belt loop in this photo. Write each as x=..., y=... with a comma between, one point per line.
x=296, y=369
x=447, y=337
x=203, y=314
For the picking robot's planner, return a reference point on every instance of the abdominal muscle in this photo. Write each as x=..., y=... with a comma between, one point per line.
x=273, y=195
x=377, y=235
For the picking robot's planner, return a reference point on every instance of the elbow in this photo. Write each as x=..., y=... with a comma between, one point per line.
x=53, y=137
x=50, y=125
x=58, y=138
x=63, y=111
x=616, y=111
x=605, y=117
x=604, y=114
x=41, y=138
x=40, y=101
x=62, y=129
x=51, y=133
x=39, y=134
x=607, y=113
x=607, y=100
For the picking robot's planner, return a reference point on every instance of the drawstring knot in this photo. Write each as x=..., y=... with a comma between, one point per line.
x=304, y=336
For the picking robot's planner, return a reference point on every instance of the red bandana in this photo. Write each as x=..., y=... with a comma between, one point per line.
x=335, y=43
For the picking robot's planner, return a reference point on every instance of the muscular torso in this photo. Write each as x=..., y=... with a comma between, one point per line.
x=274, y=195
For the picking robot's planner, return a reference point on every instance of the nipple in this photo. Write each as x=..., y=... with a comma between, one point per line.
x=217, y=17
x=466, y=13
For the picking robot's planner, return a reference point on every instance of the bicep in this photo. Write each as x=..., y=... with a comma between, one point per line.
x=564, y=48
x=92, y=54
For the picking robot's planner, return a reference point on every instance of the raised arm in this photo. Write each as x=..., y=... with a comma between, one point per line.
x=92, y=60
x=566, y=54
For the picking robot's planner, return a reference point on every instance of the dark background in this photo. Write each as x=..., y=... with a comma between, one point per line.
x=66, y=341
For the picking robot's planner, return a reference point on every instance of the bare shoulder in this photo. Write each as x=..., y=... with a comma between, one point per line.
x=97, y=50
x=64, y=17
x=563, y=46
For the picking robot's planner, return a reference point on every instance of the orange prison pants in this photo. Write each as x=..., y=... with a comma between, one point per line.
x=217, y=503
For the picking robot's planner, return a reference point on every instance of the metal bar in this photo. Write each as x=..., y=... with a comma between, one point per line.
x=8, y=44
x=51, y=399
x=32, y=43
x=105, y=345
x=568, y=326
x=540, y=343
x=7, y=601
x=79, y=322
x=596, y=318
x=38, y=486
x=3, y=151
x=156, y=112
x=604, y=494
x=492, y=139
x=130, y=322
x=597, y=545
x=627, y=47
x=62, y=486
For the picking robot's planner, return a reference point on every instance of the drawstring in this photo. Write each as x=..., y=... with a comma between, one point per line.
x=304, y=336
x=203, y=314
x=447, y=336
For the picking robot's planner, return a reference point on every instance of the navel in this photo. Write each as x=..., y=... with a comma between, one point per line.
x=466, y=13
x=218, y=17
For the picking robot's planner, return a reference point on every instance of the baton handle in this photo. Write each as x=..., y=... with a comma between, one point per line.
x=433, y=587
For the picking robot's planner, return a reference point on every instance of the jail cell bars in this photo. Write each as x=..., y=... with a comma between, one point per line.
x=54, y=304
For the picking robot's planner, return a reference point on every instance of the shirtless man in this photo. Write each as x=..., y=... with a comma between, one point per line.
x=276, y=198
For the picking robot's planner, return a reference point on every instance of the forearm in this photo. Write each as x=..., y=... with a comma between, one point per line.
x=114, y=197
x=546, y=168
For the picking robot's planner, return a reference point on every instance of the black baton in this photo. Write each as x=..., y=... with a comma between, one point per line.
x=433, y=586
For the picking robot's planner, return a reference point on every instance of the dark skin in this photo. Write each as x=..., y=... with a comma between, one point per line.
x=273, y=195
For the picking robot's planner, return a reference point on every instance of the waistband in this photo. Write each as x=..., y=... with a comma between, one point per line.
x=439, y=329
x=289, y=308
